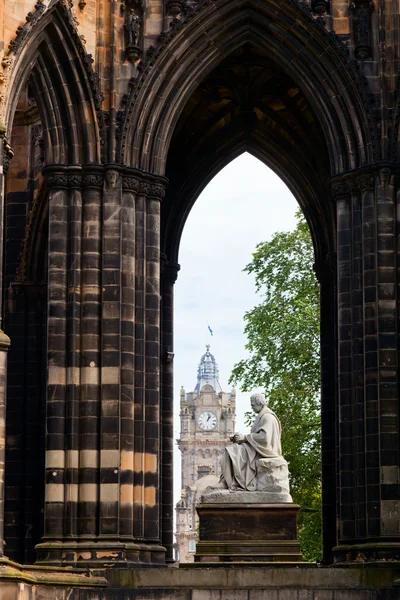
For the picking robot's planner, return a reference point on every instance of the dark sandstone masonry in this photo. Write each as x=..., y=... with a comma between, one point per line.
x=109, y=131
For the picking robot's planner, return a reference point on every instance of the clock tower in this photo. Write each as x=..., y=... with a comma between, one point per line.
x=207, y=417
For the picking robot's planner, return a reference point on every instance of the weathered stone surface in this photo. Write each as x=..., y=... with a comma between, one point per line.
x=247, y=532
x=227, y=497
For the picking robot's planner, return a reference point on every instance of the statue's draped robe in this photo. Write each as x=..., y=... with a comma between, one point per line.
x=239, y=460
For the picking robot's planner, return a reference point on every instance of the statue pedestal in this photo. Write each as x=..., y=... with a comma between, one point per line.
x=240, y=527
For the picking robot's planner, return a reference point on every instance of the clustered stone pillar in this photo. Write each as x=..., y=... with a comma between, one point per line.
x=169, y=274
x=103, y=421
x=368, y=409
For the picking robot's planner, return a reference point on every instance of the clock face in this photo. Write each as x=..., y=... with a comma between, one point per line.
x=207, y=420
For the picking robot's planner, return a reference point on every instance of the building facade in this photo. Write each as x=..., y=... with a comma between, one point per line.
x=207, y=418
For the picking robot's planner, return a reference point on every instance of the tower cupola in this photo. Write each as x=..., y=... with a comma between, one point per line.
x=207, y=372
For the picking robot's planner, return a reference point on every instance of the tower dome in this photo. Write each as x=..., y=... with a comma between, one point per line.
x=207, y=372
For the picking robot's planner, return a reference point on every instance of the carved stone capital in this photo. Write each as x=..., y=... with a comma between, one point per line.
x=363, y=182
x=131, y=184
x=56, y=178
x=169, y=271
x=353, y=183
x=62, y=177
x=152, y=186
x=93, y=180
x=72, y=177
x=75, y=180
x=340, y=190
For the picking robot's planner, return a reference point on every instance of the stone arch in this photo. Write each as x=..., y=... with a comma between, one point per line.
x=52, y=57
x=298, y=43
x=316, y=123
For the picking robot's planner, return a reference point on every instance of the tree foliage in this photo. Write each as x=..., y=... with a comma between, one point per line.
x=283, y=347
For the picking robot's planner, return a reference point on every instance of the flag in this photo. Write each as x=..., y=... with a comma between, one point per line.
x=210, y=330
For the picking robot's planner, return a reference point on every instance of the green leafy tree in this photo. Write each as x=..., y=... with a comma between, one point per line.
x=283, y=347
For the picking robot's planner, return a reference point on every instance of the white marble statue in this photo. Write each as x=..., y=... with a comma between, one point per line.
x=254, y=462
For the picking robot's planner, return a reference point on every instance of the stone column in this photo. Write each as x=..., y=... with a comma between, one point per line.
x=88, y=214
x=169, y=274
x=142, y=373
x=61, y=383
x=368, y=433
x=103, y=405
x=6, y=155
x=327, y=275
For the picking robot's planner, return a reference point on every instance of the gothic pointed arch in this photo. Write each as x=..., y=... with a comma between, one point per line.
x=50, y=56
x=290, y=37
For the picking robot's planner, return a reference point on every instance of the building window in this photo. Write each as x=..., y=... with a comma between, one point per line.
x=192, y=546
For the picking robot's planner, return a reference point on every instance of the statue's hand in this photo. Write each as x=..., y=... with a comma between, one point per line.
x=239, y=438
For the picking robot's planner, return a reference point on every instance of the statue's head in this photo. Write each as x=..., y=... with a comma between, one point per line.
x=257, y=401
x=111, y=178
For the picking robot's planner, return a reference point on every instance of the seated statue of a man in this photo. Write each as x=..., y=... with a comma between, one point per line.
x=254, y=461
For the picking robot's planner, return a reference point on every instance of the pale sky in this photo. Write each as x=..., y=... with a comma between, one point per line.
x=246, y=203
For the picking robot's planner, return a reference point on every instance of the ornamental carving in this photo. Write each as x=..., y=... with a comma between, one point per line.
x=92, y=180
x=174, y=8
x=384, y=176
x=353, y=184
x=340, y=190
x=73, y=180
x=131, y=184
x=361, y=11
x=320, y=7
x=56, y=180
x=8, y=153
x=362, y=182
x=146, y=188
x=22, y=31
x=111, y=179
x=169, y=271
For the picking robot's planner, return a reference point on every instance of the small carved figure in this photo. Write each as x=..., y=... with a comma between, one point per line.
x=384, y=176
x=362, y=25
x=254, y=462
x=111, y=178
x=361, y=11
x=132, y=26
x=6, y=62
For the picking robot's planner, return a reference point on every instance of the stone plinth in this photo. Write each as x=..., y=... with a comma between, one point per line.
x=246, y=527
